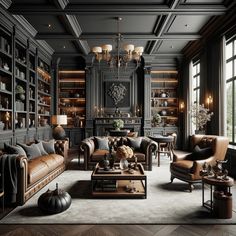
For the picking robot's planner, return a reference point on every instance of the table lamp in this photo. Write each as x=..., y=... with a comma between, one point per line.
x=58, y=131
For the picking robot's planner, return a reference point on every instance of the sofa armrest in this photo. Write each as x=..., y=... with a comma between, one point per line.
x=179, y=155
x=22, y=177
x=87, y=147
x=61, y=147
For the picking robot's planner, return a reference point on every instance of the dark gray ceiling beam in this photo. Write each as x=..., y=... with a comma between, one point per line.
x=133, y=37
x=119, y=9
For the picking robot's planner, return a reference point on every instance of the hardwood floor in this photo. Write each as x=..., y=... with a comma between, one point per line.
x=118, y=230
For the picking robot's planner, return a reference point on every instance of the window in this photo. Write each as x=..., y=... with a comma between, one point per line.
x=230, y=80
x=195, y=90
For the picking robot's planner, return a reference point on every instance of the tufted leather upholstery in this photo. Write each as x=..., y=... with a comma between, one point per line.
x=186, y=168
x=92, y=156
x=36, y=173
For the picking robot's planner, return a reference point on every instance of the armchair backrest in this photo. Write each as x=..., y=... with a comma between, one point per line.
x=219, y=144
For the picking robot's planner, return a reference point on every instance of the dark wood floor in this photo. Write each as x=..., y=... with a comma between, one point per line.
x=118, y=230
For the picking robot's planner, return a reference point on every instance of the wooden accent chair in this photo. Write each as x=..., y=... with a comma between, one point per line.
x=186, y=166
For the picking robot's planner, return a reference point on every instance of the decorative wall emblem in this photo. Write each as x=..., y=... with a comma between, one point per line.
x=117, y=92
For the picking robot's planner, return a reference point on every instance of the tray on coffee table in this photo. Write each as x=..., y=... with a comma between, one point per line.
x=121, y=184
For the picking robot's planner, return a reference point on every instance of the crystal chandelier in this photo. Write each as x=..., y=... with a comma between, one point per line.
x=120, y=59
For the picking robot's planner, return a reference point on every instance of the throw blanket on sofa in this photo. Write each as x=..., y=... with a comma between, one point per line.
x=8, y=164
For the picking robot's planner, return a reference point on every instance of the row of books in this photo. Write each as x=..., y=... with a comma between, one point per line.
x=106, y=185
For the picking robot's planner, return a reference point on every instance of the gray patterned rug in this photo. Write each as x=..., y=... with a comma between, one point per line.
x=165, y=204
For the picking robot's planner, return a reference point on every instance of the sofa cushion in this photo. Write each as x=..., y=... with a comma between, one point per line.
x=135, y=143
x=99, y=155
x=183, y=166
x=52, y=161
x=32, y=151
x=37, y=169
x=102, y=143
x=139, y=155
x=14, y=149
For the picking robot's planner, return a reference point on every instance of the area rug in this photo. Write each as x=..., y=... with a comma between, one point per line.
x=166, y=203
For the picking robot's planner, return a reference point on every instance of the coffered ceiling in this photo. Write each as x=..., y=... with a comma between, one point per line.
x=162, y=27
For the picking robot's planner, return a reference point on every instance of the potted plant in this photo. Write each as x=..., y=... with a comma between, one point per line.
x=200, y=116
x=20, y=92
x=156, y=119
x=118, y=124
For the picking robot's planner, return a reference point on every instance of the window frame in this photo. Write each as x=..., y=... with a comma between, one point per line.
x=233, y=81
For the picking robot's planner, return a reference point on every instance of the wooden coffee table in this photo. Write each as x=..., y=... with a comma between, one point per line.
x=120, y=184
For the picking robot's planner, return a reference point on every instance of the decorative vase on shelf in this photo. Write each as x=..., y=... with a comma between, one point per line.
x=124, y=164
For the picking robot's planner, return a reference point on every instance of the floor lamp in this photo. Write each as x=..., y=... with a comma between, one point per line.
x=58, y=132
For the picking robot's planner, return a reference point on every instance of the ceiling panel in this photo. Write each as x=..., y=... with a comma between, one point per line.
x=171, y=46
x=42, y=25
x=108, y=24
x=62, y=46
x=188, y=23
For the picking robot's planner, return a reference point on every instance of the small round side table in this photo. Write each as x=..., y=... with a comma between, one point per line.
x=222, y=186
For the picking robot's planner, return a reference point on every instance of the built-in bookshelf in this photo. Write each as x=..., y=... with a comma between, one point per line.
x=72, y=97
x=6, y=75
x=44, y=93
x=164, y=99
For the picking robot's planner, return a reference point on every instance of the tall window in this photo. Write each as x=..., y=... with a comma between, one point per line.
x=195, y=95
x=231, y=88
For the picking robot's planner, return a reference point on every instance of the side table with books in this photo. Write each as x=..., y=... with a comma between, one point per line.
x=119, y=183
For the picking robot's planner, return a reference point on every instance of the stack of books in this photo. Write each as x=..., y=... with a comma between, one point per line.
x=106, y=186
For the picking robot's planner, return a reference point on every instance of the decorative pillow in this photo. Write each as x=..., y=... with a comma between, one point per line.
x=201, y=153
x=14, y=149
x=206, y=142
x=134, y=143
x=32, y=151
x=41, y=148
x=101, y=143
x=49, y=146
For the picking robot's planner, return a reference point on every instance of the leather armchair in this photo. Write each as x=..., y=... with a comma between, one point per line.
x=186, y=166
x=93, y=155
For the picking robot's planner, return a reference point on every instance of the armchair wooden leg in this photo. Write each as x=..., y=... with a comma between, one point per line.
x=191, y=187
x=172, y=178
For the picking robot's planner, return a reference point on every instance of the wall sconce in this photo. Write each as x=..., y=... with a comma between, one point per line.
x=181, y=107
x=209, y=101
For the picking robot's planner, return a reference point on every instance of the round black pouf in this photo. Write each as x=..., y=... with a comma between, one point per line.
x=53, y=202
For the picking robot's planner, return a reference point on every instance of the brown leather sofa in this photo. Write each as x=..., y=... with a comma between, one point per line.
x=92, y=155
x=34, y=174
x=186, y=166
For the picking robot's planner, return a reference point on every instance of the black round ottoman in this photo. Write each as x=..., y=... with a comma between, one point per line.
x=53, y=202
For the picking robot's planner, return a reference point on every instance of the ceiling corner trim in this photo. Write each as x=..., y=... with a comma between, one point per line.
x=74, y=25
x=63, y=3
x=26, y=24
x=6, y=3
x=46, y=46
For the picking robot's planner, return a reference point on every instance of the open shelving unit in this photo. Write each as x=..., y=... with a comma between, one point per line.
x=164, y=100
x=72, y=97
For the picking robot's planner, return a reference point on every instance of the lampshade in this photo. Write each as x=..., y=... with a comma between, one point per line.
x=59, y=120
x=139, y=50
x=97, y=49
x=129, y=48
x=107, y=47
